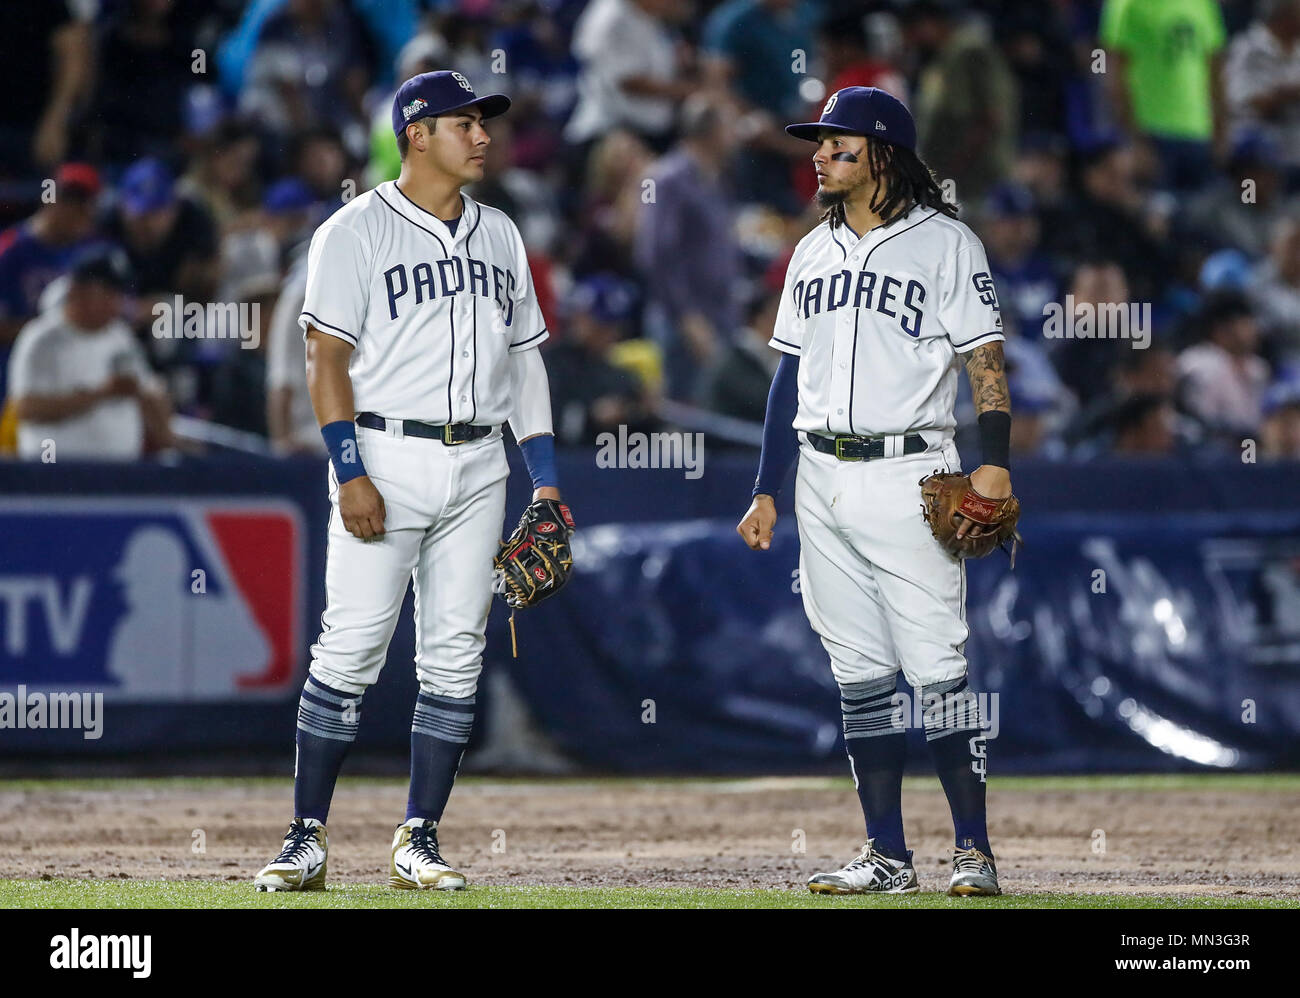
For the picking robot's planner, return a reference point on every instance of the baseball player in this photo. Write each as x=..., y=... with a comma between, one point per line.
x=422, y=329
x=880, y=301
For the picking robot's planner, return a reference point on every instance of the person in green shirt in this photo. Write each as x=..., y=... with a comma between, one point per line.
x=1164, y=67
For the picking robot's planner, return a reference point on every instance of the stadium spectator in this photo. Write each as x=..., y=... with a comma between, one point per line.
x=291, y=422
x=1110, y=216
x=630, y=76
x=687, y=248
x=1279, y=435
x=607, y=217
x=44, y=75
x=1238, y=210
x=1262, y=79
x=842, y=45
x=36, y=251
x=323, y=163
x=1163, y=65
x=1038, y=398
x=238, y=383
x=1275, y=291
x=967, y=100
x=1036, y=43
x=1024, y=275
x=254, y=254
x=82, y=388
x=522, y=194
x=758, y=52
x=170, y=240
x=223, y=175
x=589, y=394
x=1146, y=427
x=1097, y=287
x=145, y=67
x=749, y=47
x=1153, y=371
x=309, y=68
x=738, y=383
x=424, y=53
x=1223, y=378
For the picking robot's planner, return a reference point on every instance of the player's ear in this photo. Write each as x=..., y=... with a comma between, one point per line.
x=417, y=134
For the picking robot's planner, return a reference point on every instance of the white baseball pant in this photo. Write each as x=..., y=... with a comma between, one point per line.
x=877, y=587
x=444, y=507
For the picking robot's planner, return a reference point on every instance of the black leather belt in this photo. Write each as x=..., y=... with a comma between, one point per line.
x=452, y=433
x=862, y=448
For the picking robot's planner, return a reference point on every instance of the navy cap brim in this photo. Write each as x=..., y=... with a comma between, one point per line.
x=491, y=105
x=808, y=130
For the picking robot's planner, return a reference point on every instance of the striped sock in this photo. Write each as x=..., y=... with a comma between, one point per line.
x=876, y=752
x=439, y=733
x=327, y=727
x=954, y=733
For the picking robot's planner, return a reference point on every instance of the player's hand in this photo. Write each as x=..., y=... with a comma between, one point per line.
x=120, y=386
x=756, y=528
x=547, y=492
x=991, y=482
x=362, y=508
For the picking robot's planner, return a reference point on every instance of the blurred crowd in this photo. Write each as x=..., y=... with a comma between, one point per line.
x=1132, y=166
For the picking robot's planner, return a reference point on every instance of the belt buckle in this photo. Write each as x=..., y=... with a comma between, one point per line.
x=447, y=435
x=839, y=449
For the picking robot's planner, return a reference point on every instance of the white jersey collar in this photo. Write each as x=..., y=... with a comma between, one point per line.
x=412, y=212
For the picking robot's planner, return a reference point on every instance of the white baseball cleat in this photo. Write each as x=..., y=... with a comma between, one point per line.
x=301, y=863
x=870, y=873
x=416, y=863
x=973, y=874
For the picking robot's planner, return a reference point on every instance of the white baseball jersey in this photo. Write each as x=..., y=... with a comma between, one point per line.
x=877, y=322
x=433, y=316
x=53, y=357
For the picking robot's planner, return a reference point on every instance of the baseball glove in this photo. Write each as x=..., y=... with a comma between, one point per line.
x=536, y=561
x=946, y=496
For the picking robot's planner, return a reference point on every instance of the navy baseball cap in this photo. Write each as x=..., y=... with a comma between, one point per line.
x=105, y=264
x=287, y=195
x=1009, y=200
x=146, y=186
x=863, y=111
x=431, y=94
x=605, y=297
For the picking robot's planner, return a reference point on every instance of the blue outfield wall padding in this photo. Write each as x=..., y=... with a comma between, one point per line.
x=674, y=648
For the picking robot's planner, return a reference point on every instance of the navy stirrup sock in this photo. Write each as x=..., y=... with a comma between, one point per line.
x=876, y=752
x=955, y=734
x=327, y=727
x=439, y=733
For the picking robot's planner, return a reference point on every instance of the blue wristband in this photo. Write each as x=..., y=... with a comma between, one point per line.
x=341, y=441
x=539, y=456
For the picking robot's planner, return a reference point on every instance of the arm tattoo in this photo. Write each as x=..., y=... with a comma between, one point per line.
x=988, y=378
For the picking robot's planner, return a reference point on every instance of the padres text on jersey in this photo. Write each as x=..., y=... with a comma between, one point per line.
x=433, y=316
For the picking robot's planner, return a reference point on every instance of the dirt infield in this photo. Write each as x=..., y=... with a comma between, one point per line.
x=745, y=833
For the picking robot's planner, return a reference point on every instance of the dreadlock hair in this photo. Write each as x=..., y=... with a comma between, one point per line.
x=907, y=182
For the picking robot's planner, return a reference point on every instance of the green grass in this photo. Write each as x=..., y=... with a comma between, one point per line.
x=207, y=894
x=1270, y=782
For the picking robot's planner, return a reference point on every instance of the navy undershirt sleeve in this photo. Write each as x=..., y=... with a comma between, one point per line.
x=780, y=442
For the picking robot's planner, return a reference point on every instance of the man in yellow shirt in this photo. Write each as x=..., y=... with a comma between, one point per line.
x=1164, y=71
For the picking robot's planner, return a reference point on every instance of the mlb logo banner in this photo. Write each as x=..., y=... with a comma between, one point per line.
x=152, y=599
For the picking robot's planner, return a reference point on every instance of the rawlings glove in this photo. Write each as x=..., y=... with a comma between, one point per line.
x=536, y=561
x=947, y=495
